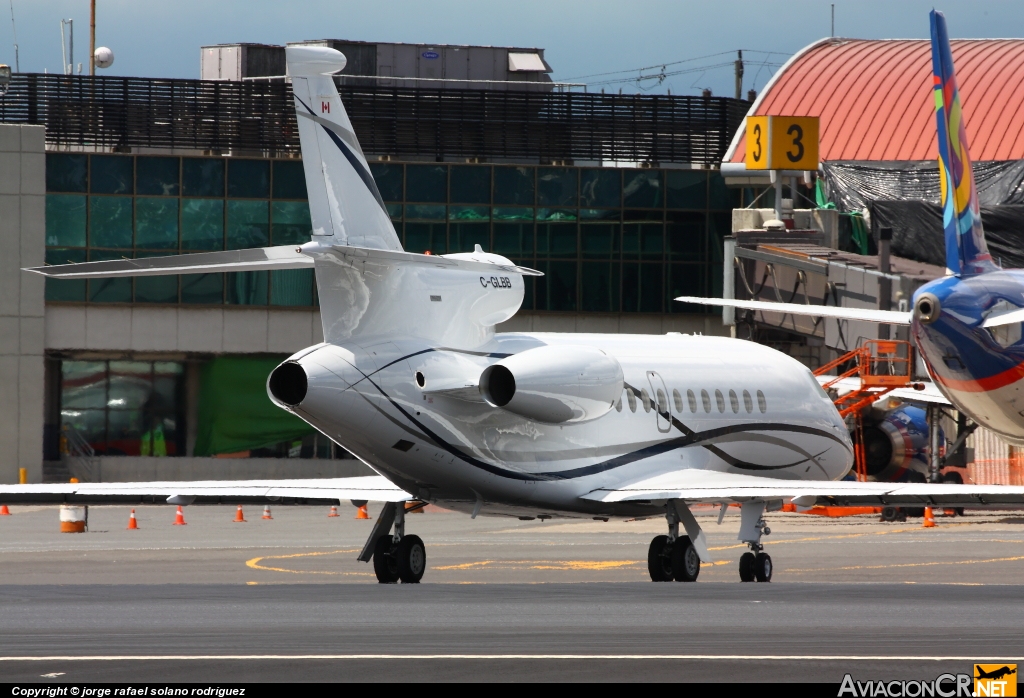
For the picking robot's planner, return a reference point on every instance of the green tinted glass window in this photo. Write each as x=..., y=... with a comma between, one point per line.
x=601, y=188
x=513, y=214
x=291, y=223
x=66, y=172
x=426, y=183
x=469, y=213
x=110, y=221
x=247, y=287
x=65, y=220
x=513, y=239
x=156, y=223
x=686, y=235
x=599, y=287
x=556, y=239
x=389, y=180
x=686, y=280
x=719, y=195
x=599, y=240
x=719, y=225
x=249, y=179
x=465, y=236
x=157, y=176
x=202, y=289
x=202, y=224
x=686, y=189
x=642, y=188
x=642, y=288
x=556, y=290
x=202, y=177
x=424, y=212
x=556, y=186
x=112, y=174
x=289, y=180
x=394, y=211
x=155, y=289
x=109, y=290
x=420, y=237
x=471, y=184
x=291, y=287
x=248, y=224
x=514, y=186
x=65, y=289
x=556, y=214
x=600, y=214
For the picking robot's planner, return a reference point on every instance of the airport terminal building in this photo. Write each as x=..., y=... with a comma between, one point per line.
x=616, y=198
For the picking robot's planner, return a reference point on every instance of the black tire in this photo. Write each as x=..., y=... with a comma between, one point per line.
x=763, y=567
x=385, y=566
x=659, y=561
x=685, y=560
x=412, y=560
x=747, y=562
x=890, y=514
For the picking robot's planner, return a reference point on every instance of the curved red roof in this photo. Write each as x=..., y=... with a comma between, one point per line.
x=875, y=101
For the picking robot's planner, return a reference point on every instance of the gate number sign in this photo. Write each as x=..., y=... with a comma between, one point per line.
x=782, y=143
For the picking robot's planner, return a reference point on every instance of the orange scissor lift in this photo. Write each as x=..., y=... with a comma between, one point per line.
x=882, y=366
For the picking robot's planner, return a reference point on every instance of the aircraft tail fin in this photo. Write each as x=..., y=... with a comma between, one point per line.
x=345, y=206
x=966, y=251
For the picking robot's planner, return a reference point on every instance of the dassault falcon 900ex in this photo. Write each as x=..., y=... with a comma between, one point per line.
x=413, y=380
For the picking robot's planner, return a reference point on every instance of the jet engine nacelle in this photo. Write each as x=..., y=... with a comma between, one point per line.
x=897, y=444
x=554, y=384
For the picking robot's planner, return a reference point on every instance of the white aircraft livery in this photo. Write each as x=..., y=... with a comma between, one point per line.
x=413, y=380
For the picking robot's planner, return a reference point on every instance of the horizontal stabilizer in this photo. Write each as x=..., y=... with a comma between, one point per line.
x=373, y=488
x=284, y=257
x=887, y=317
x=1011, y=317
x=263, y=258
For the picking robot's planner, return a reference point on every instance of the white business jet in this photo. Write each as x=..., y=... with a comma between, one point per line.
x=413, y=380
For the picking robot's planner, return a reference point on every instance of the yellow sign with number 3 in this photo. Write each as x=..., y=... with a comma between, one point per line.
x=782, y=143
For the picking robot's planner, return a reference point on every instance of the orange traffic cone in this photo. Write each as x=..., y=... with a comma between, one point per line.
x=4, y=511
x=266, y=513
x=333, y=513
x=179, y=518
x=239, y=517
x=929, y=518
x=362, y=513
x=133, y=525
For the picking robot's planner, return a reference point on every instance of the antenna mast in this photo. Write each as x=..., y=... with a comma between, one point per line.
x=92, y=37
x=14, y=28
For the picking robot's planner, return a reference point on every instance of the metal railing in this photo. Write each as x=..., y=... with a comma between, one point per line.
x=79, y=454
x=220, y=116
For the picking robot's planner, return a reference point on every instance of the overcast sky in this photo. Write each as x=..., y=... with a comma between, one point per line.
x=162, y=39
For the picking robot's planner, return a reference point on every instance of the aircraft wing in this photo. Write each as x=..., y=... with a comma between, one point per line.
x=713, y=487
x=314, y=491
x=929, y=394
x=887, y=317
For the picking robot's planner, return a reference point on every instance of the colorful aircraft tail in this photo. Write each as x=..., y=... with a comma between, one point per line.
x=966, y=251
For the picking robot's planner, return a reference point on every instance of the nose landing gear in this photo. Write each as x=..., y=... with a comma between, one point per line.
x=396, y=557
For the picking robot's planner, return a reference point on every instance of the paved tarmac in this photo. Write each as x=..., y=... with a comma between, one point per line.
x=285, y=600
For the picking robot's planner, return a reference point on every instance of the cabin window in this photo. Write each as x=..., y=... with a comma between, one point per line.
x=662, y=401
x=632, y=400
x=734, y=401
x=762, y=404
x=706, y=399
x=747, y=402
x=692, y=399
x=720, y=400
x=646, y=397
x=678, y=399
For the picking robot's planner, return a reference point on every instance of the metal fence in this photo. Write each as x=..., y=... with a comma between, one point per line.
x=112, y=112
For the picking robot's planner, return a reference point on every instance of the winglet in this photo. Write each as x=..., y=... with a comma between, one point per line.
x=966, y=251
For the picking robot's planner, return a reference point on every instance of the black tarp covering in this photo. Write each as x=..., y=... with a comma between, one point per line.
x=904, y=196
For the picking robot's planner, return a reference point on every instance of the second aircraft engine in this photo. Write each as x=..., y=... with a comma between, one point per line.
x=898, y=443
x=554, y=384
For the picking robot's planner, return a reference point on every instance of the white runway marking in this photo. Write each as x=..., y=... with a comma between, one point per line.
x=745, y=657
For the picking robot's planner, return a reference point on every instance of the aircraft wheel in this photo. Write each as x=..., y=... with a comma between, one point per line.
x=685, y=560
x=385, y=565
x=412, y=560
x=659, y=561
x=747, y=567
x=763, y=567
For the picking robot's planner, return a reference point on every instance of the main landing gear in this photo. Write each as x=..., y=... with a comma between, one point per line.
x=673, y=556
x=396, y=557
x=755, y=565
